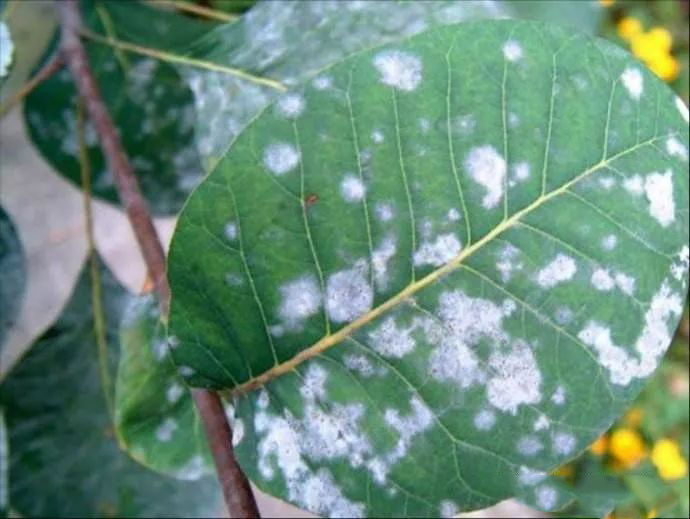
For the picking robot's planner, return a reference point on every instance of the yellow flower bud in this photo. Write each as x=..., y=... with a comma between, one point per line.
x=661, y=38
x=598, y=448
x=627, y=447
x=668, y=460
x=665, y=66
x=645, y=47
x=629, y=27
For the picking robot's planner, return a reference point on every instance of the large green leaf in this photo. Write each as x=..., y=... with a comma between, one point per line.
x=150, y=104
x=64, y=458
x=445, y=261
x=290, y=41
x=154, y=413
x=12, y=274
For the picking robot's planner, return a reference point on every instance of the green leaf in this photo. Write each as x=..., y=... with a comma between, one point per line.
x=441, y=260
x=12, y=274
x=289, y=41
x=149, y=102
x=64, y=458
x=4, y=470
x=154, y=413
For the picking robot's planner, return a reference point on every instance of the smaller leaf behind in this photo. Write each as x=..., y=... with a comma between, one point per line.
x=12, y=273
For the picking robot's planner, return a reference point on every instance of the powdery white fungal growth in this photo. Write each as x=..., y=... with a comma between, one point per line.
x=424, y=124
x=384, y=211
x=377, y=136
x=362, y=365
x=521, y=171
x=390, y=340
x=237, y=431
x=680, y=266
x=515, y=378
x=563, y=315
x=440, y=251
x=676, y=148
x=380, y=257
x=399, y=69
x=633, y=82
x=680, y=105
x=234, y=280
x=528, y=476
x=352, y=189
x=448, y=508
x=6, y=49
x=529, y=445
x=650, y=345
x=463, y=124
x=634, y=185
x=165, y=430
x=192, y=470
x=300, y=299
x=547, y=497
x=174, y=392
x=602, y=280
x=230, y=231
x=488, y=168
x=561, y=269
x=512, y=51
x=625, y=283
x=541, y=423
x=453, y=215
x=609, y=242
x=348, y=293
x=484, y=420
x=323, y=83
x=558, y=396
x=186, y=371
x=658, y=189
x=563, y=443
x=160, y=348
x=508, y=263
x=281, y=157
x=607, y=182
x=290, y=106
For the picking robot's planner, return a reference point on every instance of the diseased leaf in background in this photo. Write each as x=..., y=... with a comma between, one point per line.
x=148, y=100
x=6, y=51
x=64, y=457
x=472, y=242
x=154, y=413
x=12, y=274
x=289, y=41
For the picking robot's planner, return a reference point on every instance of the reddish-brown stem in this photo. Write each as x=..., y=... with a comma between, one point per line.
x=238, y=495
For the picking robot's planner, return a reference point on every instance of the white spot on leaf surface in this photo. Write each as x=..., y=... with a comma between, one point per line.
x=279, y=158
x=562, y=268
x=488, y=169
x=348, y=293
x=438, y=252
x=633, y=82
x=512, y=51
x=658, y=189
x=399, y=69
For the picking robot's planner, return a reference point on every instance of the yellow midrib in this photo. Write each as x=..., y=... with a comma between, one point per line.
x=331, y=340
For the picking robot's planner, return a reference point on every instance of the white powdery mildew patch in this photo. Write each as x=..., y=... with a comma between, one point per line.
x=609, y=242
x=166, y=429
x=563, y=315
x=634, y=185
x=281, y=157
x=541, y=423
x=236, y=424
x=680, y=267
x=680, y=105
x=234, y=280
x=380, y=257
x=352, y=189
x=174, y=392
x=528, y=476
x=448, y=508
x=547, y=497
x=377, y=136
x=561, y=269
x=507, y=262
x=230, y=231
x=676, y=148
x=515, y=378
x=453, y=215
x=607, y=182
x=602, y=280
x=399, y=69
x=558, y=396
x=392, y=341
x=563, y=443
x=322, y=83
x=633, y=82
x=529, y=445
x=6, y=49
x=488, y=168
x=658, y=189
x=348, y=293
x=384, y=211
x=521, y=172
x=362, y=365
x=186, y=371
x=440, y=251
x=160, y=348
x=192, y=470
x=650, y=345
x=290, y=106
x=301, y=298
x=512, y=51
x=484, y=420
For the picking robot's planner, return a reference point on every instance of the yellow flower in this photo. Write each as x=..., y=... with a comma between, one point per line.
x=665, y=66
x=627, y=447
x=661, y=38
x=598, y=448
x=606, y=3
x=668, y=460
x=652, y=514
x=629, y=27
x=633, y=417
x=646, y=46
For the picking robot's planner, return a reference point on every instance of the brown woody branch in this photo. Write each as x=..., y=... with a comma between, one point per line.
x=236, y=490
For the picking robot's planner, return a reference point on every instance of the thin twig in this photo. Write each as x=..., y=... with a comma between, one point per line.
x=201, y=10
x=47, y=70
x=236, y=490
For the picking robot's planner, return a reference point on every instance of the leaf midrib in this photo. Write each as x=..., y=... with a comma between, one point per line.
x=331, y=340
